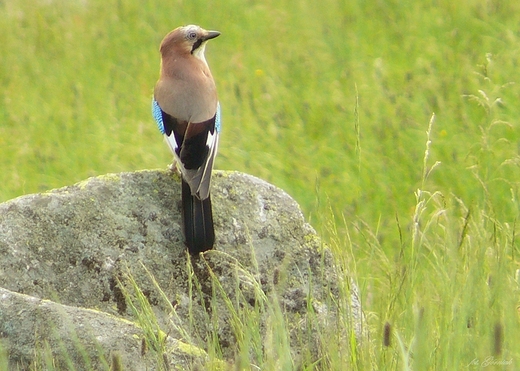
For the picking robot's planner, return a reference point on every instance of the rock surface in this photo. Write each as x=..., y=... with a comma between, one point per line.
x=110, y=251
x=66, y=336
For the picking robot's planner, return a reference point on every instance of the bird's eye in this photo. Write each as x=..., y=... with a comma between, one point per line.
x=192, y=35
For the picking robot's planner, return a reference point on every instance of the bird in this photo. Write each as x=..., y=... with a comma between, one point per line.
x=186, y=109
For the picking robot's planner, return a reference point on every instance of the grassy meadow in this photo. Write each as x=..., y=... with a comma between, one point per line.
x=394, y=124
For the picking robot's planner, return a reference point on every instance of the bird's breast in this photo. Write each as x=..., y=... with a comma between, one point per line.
x=188, y=98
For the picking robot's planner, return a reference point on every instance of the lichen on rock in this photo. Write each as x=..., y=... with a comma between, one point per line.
x=109, y=241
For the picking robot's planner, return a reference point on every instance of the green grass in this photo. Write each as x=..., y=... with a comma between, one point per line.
x=330, y=101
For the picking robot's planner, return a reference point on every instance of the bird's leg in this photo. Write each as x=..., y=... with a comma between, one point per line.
x=173, y=167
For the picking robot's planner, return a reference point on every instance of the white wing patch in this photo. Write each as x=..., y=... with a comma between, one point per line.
x=199, y=179
x=172, y=143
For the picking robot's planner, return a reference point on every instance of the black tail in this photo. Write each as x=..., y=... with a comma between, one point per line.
x=197, y=220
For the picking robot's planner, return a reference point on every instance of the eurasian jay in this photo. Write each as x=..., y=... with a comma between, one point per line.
x=186, y=109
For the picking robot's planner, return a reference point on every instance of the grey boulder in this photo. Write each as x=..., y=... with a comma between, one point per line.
x=107, y=255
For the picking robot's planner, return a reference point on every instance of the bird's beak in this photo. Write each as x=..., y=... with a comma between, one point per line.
x=211, y=35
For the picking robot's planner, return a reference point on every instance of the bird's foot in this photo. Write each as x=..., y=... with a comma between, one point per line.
x=173, y=168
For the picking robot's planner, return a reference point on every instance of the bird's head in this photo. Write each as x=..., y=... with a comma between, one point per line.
x=187, y=39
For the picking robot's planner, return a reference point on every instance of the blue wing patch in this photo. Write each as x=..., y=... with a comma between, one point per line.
x=157, y=115
x=217, y=119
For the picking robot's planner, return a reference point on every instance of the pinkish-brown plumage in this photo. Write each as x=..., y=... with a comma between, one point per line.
x=186, y=108
x=186, y=89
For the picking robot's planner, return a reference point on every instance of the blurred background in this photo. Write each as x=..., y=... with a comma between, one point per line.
x=328, y=100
